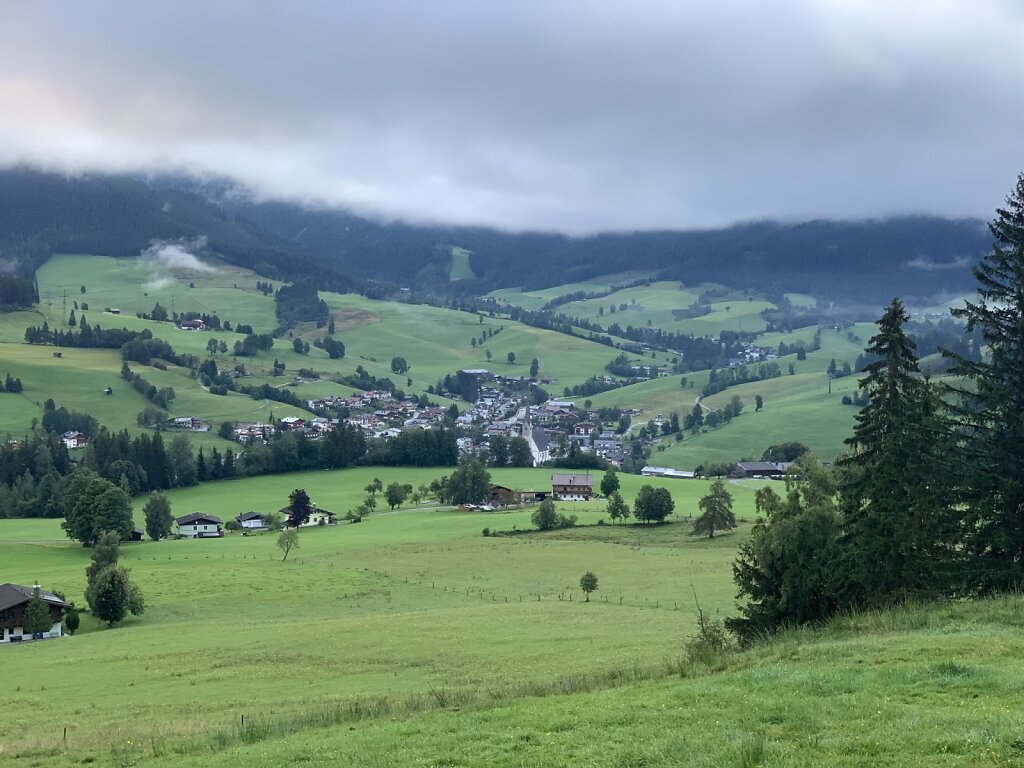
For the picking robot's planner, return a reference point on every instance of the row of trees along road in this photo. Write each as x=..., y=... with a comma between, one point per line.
x=929, y=501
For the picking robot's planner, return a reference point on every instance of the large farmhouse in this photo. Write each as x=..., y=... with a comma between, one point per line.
x=13, y=602
x=199, y=526
x=572, y=487
x=317, y=516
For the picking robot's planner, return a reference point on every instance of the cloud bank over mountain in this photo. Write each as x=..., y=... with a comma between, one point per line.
x=576, y=116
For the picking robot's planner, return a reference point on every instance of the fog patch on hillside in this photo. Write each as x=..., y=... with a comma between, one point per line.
x=178, y=254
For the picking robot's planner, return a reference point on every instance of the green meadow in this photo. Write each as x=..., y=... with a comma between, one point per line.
x=536, y=299
x=410, y=639
x=654, y=305
x=460, y=267
x=403, y=604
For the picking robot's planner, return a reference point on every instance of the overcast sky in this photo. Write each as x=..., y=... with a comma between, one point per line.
x=571, y=116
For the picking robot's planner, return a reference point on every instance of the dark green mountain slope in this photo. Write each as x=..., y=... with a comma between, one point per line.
x=46, y=213
x=864, y=260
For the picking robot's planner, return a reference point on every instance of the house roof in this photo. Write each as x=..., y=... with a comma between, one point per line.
x=197, y=517
x=540, y=439
x=759, y=466
x=287, y=511
x=12, y=595
x=249, y=516
x=580, y=480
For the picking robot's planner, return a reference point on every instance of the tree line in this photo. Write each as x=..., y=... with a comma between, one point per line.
x=929, y=500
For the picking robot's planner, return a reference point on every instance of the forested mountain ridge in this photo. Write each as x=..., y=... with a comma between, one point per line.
x=862, y=260
x=870, y=261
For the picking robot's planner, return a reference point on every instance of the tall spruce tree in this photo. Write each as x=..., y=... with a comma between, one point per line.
x=898, y=538
x=991, y=405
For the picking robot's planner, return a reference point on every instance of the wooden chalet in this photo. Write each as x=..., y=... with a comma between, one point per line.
x=572, y=487
x=13, y=602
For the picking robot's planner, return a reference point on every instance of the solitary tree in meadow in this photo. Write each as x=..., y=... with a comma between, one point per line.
x=116, y=595
x=72, y=620
x=653, y=504
x=716, y=510
x=511, y=357
x=588, y=583
x=618, y=509
x=610, y=482
x=396, y=493
x=287, y=541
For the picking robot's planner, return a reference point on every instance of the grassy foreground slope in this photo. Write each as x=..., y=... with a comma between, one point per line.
x=914, y=687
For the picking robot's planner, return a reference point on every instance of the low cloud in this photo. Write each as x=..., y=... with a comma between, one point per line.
x=159, y=283
x=574, y=116
x=178, y=254
x=925, y=263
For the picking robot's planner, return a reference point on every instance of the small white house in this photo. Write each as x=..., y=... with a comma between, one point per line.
x=200, y=526
x=251, y=521
x=13, y=602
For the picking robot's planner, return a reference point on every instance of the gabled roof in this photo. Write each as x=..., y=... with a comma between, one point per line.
x=580, y=480
x=759, y=466
x=249, y=516
x=12, y=595
x=197, y=517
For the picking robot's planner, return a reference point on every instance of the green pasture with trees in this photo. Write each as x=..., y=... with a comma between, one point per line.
x=872, y=608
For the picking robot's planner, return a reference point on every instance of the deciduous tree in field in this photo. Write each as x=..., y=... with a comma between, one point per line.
x=588, y=583
x=546, y=518
x=785, y=571
x=116, y=595
x=287, y=541
x=653, y=504
x=158, y=517
x=72, y=620
x=104, y=554
x=618, y=509
x=94, y=505
x=716, y=509
x=470, y=483
x=396, y=493
x=610, y=482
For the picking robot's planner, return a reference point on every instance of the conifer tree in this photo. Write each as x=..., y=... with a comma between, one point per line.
x=992, y=404
x=897, y=537
x=37, y=615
